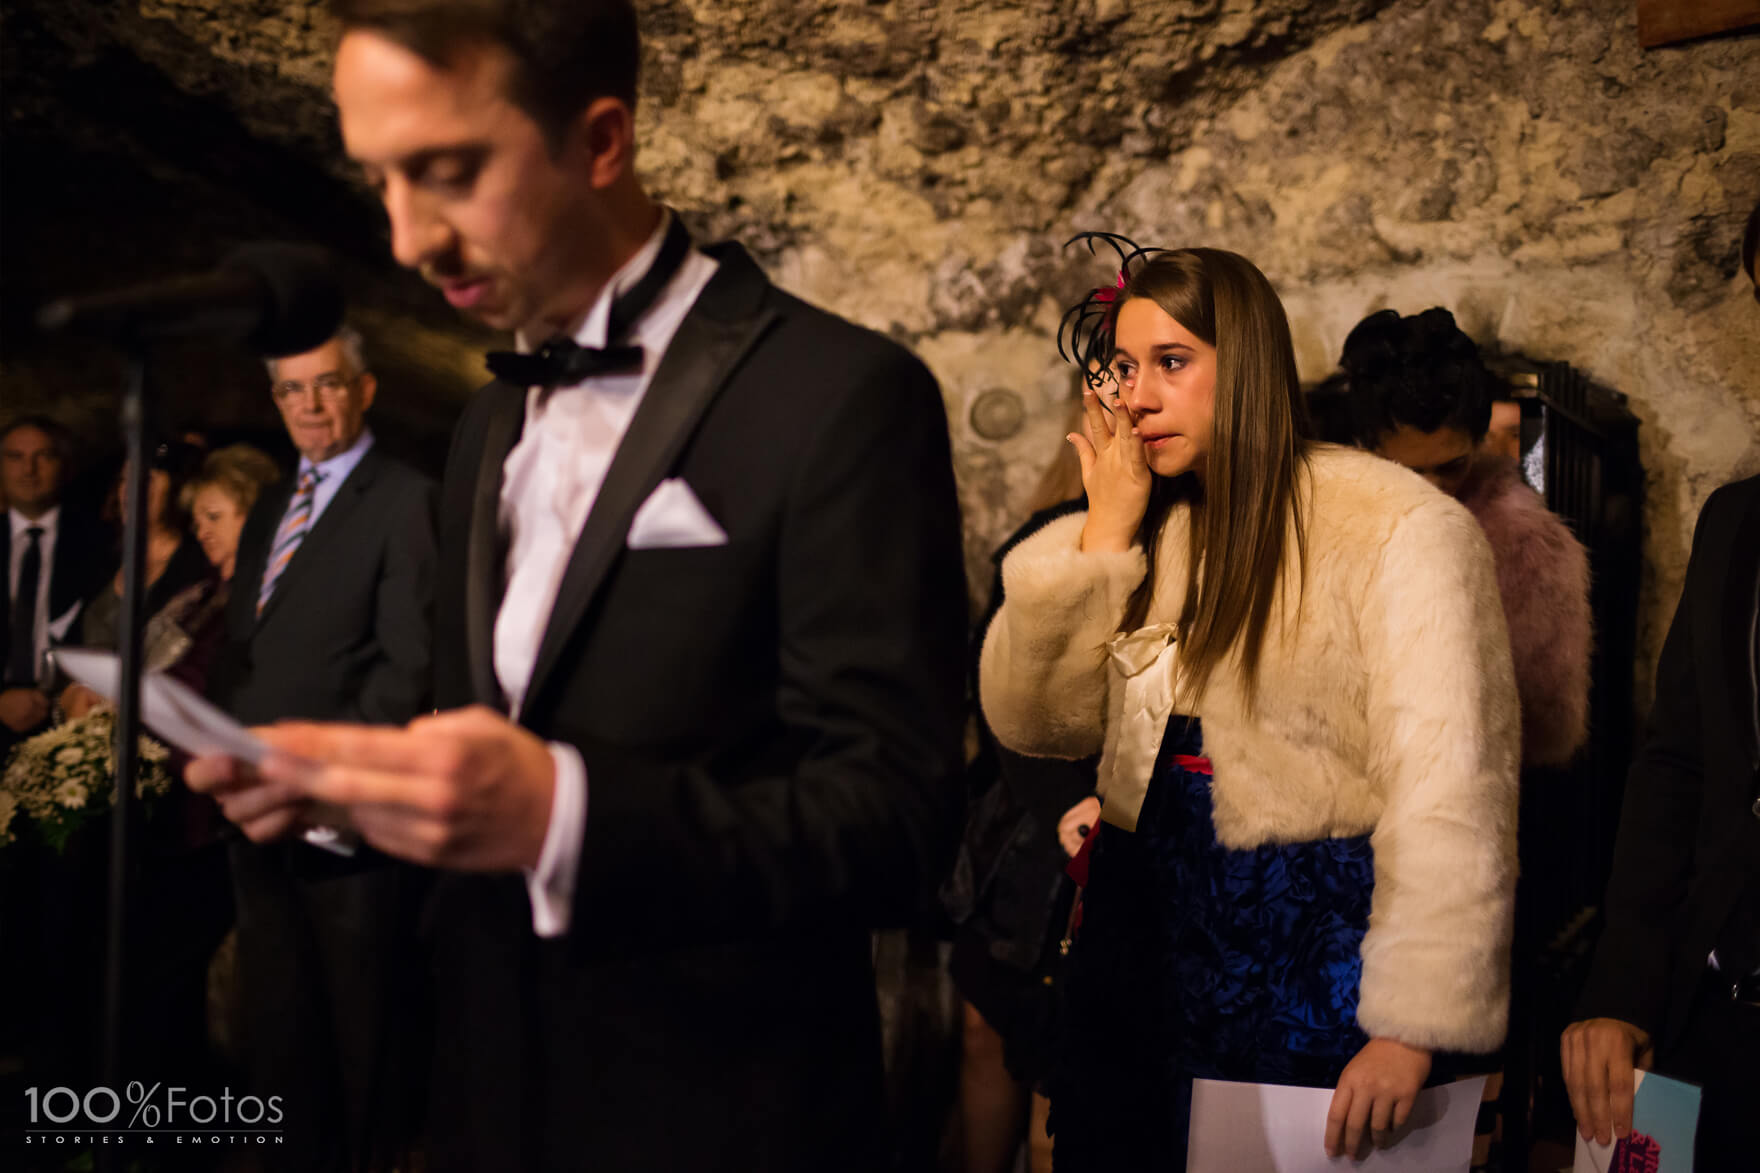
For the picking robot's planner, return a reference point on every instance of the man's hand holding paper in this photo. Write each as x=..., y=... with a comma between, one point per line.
x=263, y=809
x=467, y=790
x=226, y=756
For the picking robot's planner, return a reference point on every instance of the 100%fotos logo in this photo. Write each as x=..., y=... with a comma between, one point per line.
x=148, y=1109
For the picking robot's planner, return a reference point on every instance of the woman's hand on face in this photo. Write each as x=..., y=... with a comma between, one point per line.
x=1115, y=473
x=1375, y=1095
x=1075, y=824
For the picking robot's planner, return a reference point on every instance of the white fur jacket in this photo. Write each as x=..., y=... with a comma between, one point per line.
x=1385, y=706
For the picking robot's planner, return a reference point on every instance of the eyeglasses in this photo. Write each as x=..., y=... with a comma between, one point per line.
x=330, y=387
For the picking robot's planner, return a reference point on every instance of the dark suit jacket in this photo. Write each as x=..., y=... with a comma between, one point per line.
x=1688, y=855
x=771, y=732
x=346, y=635
x=85, y=558
x=323, y=942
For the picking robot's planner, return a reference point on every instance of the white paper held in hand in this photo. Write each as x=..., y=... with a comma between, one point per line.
x=1275, y=1129
x=186, y=719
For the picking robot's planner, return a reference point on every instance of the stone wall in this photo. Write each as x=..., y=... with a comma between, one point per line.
x=1570, y=196
x=916, y=165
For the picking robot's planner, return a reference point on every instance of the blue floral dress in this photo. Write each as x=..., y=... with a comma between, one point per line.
x=1193, y=960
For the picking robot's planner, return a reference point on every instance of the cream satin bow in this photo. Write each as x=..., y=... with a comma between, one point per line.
x=1146, y=661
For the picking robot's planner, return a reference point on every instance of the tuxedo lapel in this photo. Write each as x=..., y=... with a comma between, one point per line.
x=727, y=320
x=313, y=548
x=486, y=551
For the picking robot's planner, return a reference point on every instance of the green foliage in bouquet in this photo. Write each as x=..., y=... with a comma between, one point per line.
x=64, y=778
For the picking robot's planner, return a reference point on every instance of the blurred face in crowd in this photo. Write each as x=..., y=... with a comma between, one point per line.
x=1441, y=457
x=323, y=400
x=158, y=488
x=1504, y=436
x=30, y=471
x=492, y=212
x=218, y=519
x=1167, y=377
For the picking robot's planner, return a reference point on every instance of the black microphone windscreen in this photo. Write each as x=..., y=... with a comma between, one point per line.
x=303, y=308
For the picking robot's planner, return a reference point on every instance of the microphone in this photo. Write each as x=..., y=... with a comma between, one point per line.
x=278, y=299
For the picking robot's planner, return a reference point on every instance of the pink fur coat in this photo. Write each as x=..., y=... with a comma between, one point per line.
x=1543, y=576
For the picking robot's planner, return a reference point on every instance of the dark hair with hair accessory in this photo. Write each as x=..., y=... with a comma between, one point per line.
x=1084, y=336
x=1420, y=371
x=179, y=461
x=180, y=458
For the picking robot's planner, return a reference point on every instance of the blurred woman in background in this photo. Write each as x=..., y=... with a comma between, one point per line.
x=1421, y=396
x=220, y=497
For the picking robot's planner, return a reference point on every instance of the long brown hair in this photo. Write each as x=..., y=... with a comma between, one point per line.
x=1247, y=507
x=1062, y=480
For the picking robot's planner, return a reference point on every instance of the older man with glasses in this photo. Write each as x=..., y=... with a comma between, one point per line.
x=329, y=619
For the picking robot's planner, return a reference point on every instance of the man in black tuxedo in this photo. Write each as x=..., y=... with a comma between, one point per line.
x=703, y=545
x=1676, y=977
x=329, y=618
x=53, y=560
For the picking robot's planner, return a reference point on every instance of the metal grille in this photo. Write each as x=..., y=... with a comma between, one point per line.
x=1588, y=471
x=1593, y=481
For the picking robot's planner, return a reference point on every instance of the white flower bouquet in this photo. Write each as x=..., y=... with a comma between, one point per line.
x=65, y=777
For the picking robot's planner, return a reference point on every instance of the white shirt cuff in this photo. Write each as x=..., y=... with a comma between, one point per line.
x=551, y=883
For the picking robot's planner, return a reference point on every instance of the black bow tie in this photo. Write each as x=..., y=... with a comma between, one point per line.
x=562, y=361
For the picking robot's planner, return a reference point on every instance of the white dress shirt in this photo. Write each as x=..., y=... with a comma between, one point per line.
x=549, y=482
x=50, y=523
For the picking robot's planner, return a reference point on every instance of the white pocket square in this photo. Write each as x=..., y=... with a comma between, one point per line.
x=672, y=518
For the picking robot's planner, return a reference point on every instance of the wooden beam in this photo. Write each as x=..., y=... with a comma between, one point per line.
x=1662, y=22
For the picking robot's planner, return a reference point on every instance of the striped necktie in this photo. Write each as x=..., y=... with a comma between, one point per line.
x=294, y=528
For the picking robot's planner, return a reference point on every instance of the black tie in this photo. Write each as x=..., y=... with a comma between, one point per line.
x=21, y=660
x=562, y=361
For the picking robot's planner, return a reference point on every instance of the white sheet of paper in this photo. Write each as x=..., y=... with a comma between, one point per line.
x=1277, y=1129
x=186, y=719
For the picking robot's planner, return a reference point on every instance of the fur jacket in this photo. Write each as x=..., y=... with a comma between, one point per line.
x=1543, y=576
x=1386, y=706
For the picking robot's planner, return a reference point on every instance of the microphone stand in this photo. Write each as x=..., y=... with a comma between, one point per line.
x=128, y=719
x=277, y=298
